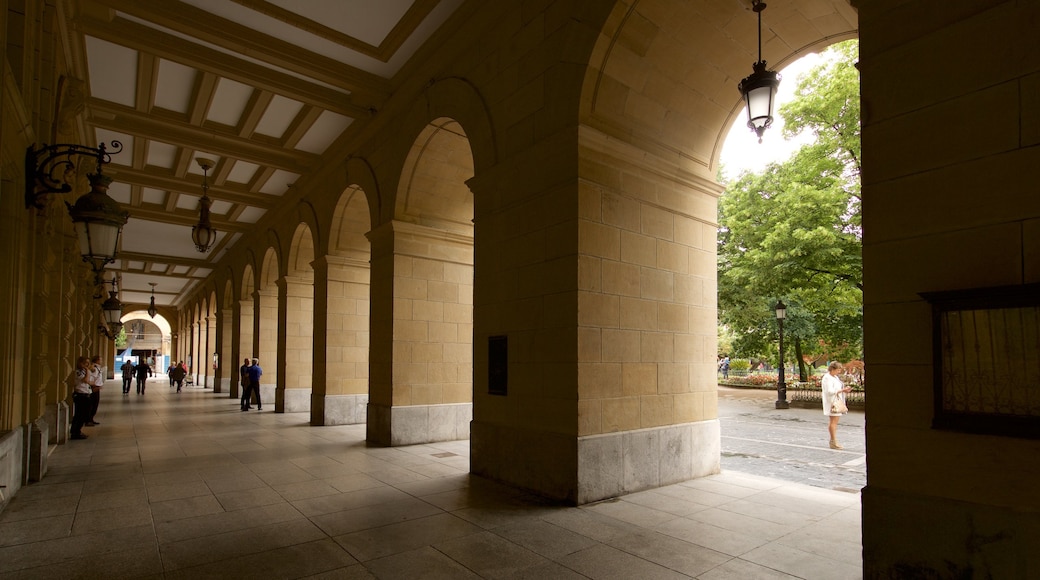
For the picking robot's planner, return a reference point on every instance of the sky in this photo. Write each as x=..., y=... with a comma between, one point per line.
x=741, y=150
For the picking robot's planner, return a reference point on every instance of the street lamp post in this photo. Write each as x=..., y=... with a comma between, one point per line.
x=781, y=387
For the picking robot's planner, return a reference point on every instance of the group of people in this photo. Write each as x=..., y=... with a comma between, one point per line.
x=88, y=378
x=86, y=382
x=177, y=372
x=142, y=370
x=250, y=373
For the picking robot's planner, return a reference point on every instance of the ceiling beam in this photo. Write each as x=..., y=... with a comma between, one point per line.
x=126, y=120
x=126, y=256
x=190, y=218
x=145, y=178
x=164, y=45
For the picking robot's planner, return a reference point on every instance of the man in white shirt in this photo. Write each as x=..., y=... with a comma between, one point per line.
x=96, y=378
x=80, y=396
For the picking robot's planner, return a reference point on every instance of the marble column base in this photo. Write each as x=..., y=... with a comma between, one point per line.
x=392, y=426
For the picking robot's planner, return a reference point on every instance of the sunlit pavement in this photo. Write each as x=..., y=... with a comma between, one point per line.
x=789, y=444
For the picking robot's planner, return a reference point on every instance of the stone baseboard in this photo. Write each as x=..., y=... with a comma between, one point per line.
x=587, y=469
x=392, y=426
x=340, y=409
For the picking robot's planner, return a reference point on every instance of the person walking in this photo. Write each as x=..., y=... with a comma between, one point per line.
x=80, y=397
x=143, y=370
x=255, y=372
x=96, y=378
x=169, y=373
x=128, y=375
x=243, y=375
x=834, y=400
x=177, y=374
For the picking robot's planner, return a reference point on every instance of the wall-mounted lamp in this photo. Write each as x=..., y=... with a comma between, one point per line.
x=759, y=88
x=152, y=310
x=203, y=233
x=98, y=219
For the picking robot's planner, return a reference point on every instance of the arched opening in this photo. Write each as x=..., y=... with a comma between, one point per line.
x=346, y=271
x=266, y=340
x=422, y=313
x=226, y=365
x=246, y=322
x=299, y=322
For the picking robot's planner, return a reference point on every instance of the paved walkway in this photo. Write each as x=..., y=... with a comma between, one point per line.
x=187, y=486
x=790, y=444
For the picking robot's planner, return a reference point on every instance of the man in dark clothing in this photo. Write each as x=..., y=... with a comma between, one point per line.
x=243, y=375
x=128, y=375
x=177, y=375
x=254, y=382
x=143, y=371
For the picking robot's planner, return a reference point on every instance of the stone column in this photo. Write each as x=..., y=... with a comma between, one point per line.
x=341, y=330
x=270, y=327
x=211, y=347
x=298, y=332
x=222, y=346
x=422, y=288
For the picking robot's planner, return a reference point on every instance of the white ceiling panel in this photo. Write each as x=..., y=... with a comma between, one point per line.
x=163, y=285
x=161, y=154
x=279, y=114
x=175, y=86
x=279, y=181
x=185, y=201
x=251, y=215
x=323, y=132
x=151, y=195
x=229, y=102
x=221, y=207
x=242, y=172
x=113, y=71
x=160, y=238
x=352, y=17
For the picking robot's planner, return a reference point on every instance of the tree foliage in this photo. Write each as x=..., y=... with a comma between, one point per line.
x=794, y=231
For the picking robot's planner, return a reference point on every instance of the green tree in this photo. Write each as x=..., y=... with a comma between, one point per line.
x=794, y=231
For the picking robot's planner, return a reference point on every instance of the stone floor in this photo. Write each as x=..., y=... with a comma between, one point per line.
x=187, y=486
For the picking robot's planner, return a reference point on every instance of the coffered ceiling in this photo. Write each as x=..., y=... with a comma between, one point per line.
x=265, y=88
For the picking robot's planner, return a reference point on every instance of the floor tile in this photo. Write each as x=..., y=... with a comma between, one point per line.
x=189, y=487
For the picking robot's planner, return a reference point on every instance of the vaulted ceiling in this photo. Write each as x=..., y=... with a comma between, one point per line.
x=264, y=88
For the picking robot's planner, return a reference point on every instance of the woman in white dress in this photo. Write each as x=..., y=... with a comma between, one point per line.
x=832, y=387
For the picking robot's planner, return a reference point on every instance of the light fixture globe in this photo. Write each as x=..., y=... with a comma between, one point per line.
x=781, y=310
x=98, y=220
x=759, y=88
x=112, y=310
x=202, y=234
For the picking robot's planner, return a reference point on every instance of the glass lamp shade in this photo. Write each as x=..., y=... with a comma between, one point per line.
x=203, y=234
x=112, y=310
x=759, y=90
x=781, y=310
x=152, y=310
x=98, y=219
